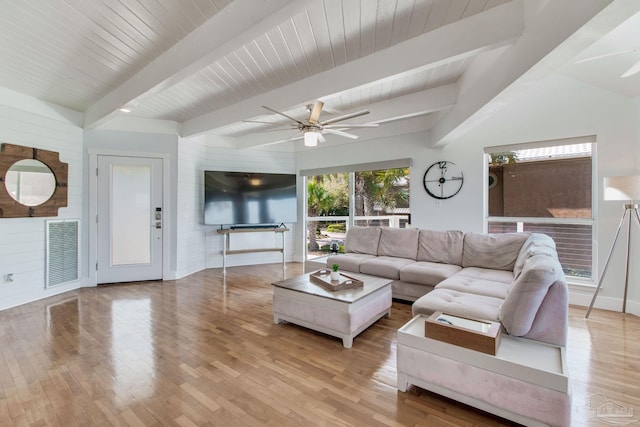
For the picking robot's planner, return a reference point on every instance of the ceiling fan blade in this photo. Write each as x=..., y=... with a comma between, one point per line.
x=635, y=69
x=606, y=55
x=315, y=112
x=345, y=125
x=321, y=137
x=283, y=114
x=266, y=144
x=278, y=129
x=345, y=117
x=341, y=133
x=296, y=136
x=257, y=121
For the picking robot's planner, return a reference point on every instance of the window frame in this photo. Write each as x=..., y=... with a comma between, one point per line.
x=351, y=170
x=519, y=221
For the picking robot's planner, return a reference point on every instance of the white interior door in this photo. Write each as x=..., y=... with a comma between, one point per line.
x=130, y=219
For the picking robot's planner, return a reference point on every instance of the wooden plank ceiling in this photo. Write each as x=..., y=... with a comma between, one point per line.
x=209, y=64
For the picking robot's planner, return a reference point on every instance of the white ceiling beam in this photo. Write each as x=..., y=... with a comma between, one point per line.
x=417, y=103
x=413, y=104
x=496, y=27
x=554, y=35
x=237, y=24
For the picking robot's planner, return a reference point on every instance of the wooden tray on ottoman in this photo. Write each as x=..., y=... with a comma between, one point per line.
x=323, y=278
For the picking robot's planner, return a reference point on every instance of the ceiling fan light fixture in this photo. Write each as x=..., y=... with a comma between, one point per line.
x=310, y=139
x=311, y=130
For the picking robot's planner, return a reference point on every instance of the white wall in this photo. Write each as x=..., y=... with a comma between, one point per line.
x=191, y=254
x=22, y=240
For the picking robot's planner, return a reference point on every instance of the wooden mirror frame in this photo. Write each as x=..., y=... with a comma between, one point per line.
x=10, y=208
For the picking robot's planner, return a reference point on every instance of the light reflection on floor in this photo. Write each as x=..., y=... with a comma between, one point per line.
x=132, y=348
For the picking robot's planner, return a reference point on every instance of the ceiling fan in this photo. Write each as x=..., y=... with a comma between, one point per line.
x=634, y=69
x=312, y=128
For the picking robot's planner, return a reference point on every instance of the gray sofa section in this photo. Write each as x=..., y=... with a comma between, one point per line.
x=512, y=278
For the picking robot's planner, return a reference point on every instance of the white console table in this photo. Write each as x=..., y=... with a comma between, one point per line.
x=226, y=232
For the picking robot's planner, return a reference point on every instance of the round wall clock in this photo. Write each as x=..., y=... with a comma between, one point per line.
x=443, y=180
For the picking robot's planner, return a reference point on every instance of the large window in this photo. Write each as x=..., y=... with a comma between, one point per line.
x=327, y=212
x=364, y=198
x=546, y=189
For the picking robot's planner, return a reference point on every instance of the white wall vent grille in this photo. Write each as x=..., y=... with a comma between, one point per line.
x=63, y=239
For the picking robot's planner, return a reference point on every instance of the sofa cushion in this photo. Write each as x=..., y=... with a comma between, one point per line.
x=440, y=246
x=459, y=304
x=348, y=262
x=501, y=276
x=408, y=291
x=493, y=251
x=521, y=306
x=362, y=240
x=399, y=242
x=384, y=266
x=427, y=273
x=537, y=243
x=472, y=285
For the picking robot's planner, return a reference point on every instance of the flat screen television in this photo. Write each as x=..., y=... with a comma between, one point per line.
x=243, y=198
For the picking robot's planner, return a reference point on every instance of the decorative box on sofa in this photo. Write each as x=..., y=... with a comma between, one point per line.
x=514, y=278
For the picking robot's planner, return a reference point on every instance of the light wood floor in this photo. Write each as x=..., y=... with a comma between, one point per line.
x=204, y=351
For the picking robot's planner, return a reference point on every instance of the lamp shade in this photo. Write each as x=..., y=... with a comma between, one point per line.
x=622, y=188
x=310, y=139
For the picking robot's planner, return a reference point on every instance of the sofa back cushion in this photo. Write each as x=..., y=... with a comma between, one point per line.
x=494, y=251
x=537, y=243
x=440, y=246
x=399, y=242
x=362, y=240
x=520, y=307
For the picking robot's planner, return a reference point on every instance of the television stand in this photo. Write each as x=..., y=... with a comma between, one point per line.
x=260, y=226
x=226, y=232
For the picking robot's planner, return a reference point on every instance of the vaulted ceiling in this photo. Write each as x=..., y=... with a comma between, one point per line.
x=209, y=65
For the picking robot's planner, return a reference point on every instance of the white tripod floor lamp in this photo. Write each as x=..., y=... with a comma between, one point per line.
x=620, y=188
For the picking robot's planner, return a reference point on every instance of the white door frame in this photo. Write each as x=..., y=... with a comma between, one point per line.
x=167, y=222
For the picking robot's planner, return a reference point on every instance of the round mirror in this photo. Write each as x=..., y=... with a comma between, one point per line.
x=30, y=182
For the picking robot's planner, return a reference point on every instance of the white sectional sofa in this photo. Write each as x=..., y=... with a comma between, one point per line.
x=515, y=278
